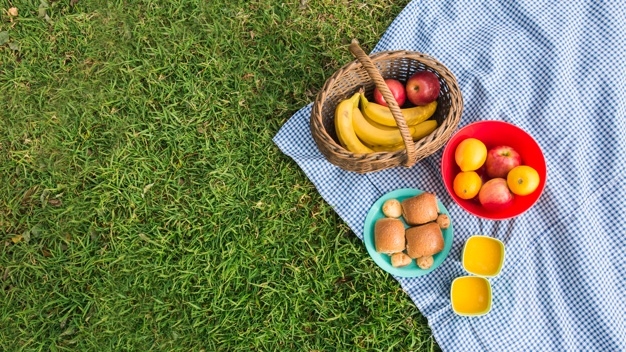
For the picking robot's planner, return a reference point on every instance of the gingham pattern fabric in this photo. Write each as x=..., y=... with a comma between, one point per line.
x=557, y=70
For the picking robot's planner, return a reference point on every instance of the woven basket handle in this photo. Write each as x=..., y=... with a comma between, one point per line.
x=379, y=81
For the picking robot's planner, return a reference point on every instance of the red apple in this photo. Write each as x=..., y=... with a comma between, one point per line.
x=422, y=88
x=500, y=160
x=495, y=194
x=397, y=90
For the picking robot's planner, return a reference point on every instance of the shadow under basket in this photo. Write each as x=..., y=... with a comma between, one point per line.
x=368, y=72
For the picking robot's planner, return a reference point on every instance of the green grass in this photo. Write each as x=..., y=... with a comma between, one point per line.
x=155, y=212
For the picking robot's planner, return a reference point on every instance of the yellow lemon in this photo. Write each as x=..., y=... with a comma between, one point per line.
x=522, y=180
x=470, y=154
x=467, y=184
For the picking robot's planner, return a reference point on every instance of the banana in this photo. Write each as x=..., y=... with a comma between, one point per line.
x=372, y=133
x=383, y=116
x=386, y=148
x=423, y=129
x=344, y=126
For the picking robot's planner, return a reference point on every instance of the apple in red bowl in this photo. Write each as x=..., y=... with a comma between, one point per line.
x=500, y=160
x=508, y=146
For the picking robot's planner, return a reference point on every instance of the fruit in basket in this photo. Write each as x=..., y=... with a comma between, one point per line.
x=470, y=154
x=467, y=184
x=387, y=148
x=495, y=194
x=523, y=180
x=500, y=160
x=344, y=126
x=422, y=87
x=397, y=90
x=374, y=134
x=382, y=115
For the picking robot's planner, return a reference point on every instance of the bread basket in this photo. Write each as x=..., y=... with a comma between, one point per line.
x=368, y=72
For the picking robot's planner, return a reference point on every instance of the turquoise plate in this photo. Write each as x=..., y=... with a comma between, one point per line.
x=383, y=260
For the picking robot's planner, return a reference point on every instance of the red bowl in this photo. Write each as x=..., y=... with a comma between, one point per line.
x=492, y=134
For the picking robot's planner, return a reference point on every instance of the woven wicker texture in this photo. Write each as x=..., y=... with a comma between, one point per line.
x=368, y=72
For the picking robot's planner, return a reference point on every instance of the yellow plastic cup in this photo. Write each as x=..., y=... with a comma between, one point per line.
x=471, y=296
x=483, y=256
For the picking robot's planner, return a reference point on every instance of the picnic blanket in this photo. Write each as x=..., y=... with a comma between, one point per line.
x=557, y=69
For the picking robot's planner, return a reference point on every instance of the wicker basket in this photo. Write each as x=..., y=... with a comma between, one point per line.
x=367, y=72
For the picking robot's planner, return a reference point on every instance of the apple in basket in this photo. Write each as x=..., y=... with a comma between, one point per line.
x=495, y=194
x=500, y=160
x=397, y=90
x=422, y=88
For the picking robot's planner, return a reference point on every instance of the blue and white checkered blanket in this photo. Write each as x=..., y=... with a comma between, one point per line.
x=557, y=69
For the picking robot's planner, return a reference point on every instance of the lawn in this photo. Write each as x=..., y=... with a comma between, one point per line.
x=143, y=204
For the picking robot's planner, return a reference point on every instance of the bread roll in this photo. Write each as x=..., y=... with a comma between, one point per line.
x=389, y=236
x=420, y=209
x=400, y=259
x=392, y=208
x=424, y=240
x=443, y=220
x=425, y=262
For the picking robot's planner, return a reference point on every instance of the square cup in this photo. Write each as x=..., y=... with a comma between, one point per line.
x=483, y=256
x=471, y=296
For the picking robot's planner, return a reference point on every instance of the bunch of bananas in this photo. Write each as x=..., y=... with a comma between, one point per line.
x=370, y=127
